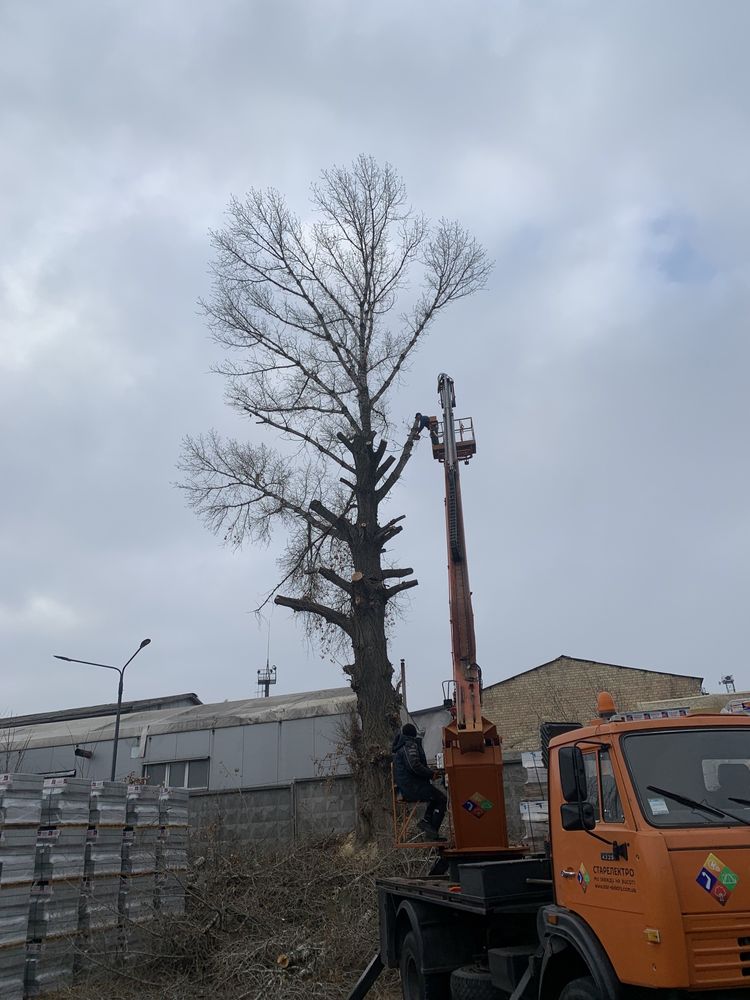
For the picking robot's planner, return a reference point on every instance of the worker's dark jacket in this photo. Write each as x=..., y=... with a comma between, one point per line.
x=410, y=769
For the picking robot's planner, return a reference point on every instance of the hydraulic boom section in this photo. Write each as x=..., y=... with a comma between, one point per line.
x=471, y=745
x=453, y=442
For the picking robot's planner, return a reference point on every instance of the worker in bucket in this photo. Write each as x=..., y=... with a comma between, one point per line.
x=414, y=780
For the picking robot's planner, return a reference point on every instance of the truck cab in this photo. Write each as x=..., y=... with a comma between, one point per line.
x=650, y=847
x=643, y=892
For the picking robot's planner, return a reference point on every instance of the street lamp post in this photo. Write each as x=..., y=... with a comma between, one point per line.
x=121, y=672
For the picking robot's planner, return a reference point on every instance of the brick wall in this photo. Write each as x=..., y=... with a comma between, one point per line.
x=566, y=689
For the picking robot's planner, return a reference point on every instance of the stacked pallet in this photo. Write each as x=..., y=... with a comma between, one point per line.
x=56, y=890
x=139, y=849
x=172, y=850
x=98, y=911
x=20, y=813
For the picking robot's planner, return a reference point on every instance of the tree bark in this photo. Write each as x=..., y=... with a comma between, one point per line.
x=378, y=718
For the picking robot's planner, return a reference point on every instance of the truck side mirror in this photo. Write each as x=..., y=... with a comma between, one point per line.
x=572, y=774
x=577, y=816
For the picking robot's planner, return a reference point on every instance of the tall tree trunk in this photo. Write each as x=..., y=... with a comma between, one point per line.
x=371, y=673
x=377, y=708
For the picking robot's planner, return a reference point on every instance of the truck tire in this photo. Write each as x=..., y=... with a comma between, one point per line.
x=415, y=985
x=581, y=989
x=474, y=983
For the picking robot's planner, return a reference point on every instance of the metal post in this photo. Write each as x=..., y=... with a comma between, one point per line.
x=117, y=724
x=121, y=672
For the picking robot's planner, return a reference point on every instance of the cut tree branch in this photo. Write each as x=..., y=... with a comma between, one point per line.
x=314, y=608
x=406, y=585
x=388, y=574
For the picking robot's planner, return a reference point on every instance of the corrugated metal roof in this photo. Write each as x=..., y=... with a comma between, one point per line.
x=279, y=708
x=94, y=711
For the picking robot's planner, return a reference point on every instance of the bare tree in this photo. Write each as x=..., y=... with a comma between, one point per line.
x=321, y=318
x=14, y=743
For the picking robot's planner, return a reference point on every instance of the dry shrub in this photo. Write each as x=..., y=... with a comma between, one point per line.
x=286, y=925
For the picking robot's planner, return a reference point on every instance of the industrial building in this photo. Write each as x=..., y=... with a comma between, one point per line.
x=181, y=742
x=565, y=689
x=258, y=742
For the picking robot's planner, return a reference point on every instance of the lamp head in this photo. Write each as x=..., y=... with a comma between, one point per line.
x=144, y=642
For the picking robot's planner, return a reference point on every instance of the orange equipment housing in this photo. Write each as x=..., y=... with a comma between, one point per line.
x=471, y=745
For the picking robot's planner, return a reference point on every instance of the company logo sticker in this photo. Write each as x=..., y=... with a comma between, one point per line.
x=717, y=879
x=583, y=877
x=478, y=805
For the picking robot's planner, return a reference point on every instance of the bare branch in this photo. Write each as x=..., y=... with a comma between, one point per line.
x=404, y=457
x=406, y=585
x=313, y=608
x=335, y=579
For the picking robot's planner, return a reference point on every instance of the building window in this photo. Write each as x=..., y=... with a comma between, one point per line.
x=178, y=773
x=197, y=774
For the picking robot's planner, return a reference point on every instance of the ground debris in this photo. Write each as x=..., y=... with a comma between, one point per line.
x=295, y=924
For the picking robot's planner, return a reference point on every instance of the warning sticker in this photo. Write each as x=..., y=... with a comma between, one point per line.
x=478, y=805
x=717, y=879
x=583, y=877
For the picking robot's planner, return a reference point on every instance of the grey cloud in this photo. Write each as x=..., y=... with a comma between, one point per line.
x=601, y=154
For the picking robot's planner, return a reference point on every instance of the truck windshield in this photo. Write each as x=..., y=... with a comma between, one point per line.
x=709, y=766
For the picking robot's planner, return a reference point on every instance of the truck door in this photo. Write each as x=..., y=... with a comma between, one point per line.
x=596, y=872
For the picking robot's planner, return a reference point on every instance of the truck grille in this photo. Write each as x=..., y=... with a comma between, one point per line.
x=719, y=949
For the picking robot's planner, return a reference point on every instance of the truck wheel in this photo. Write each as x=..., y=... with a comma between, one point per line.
x=414, y=984
x=581, y=989
x=474, y=983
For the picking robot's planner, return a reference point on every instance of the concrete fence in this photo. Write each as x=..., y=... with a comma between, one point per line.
x=273, y=814
x=314, y=807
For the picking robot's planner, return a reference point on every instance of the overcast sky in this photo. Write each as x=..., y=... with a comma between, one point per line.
x=601, y=154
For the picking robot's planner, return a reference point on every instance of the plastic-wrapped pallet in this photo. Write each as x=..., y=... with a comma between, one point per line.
x=20, y=812
x=99, y=906
x=66, y=802
x=103, y=853
x=60, y=853
x=54, y=911
x=137, y=898
x=20, y=799
x=139, y=848
x=14, y=914
x=107, y=805
x=173, y=828
x=173, y=850
x=170, y=892
x=139, y=845
x=143, y=806
x=12, y=967
x=174, y=804
x=103, y=858
x=17, y=853
x=49, y=964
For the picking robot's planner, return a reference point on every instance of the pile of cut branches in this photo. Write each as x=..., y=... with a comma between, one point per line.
x=292, y=924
